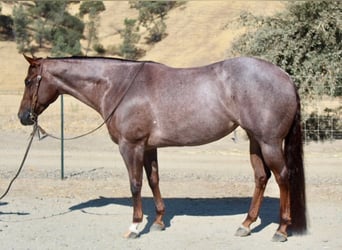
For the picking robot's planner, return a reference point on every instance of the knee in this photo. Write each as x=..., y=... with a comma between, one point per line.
x=136, y=187
x=154, y=177
x=261, y=180
x=282, y=178
x=153, y=181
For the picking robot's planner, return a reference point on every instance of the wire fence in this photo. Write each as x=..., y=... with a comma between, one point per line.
x=317, y=128
x=321, y=116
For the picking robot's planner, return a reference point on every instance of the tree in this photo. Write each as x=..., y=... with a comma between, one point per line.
x=152, y=15
x=49, y=24
x=20, y=24
x=130, y=38
x=89, y=7
x=93, y=9
x=305, y=41
x=66, y=36
x=6, y=26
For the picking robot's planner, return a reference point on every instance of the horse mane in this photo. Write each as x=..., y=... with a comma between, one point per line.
x=97, y=57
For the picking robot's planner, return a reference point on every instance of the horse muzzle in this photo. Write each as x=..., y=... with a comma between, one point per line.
x=27, y=118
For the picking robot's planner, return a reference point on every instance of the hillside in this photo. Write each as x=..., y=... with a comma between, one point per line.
x=197, y=35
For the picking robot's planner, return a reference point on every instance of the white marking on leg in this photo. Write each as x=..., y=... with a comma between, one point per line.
x=134, y=228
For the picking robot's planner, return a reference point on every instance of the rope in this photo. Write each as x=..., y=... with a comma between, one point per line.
x=42, y=133
x=35, y=129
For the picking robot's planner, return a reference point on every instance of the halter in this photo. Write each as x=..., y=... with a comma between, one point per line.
x=33, y=115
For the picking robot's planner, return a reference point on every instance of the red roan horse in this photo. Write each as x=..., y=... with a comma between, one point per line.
x=147, y=105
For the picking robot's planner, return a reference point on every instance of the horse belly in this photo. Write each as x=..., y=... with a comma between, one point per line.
x=193, y=130
x=191, y=109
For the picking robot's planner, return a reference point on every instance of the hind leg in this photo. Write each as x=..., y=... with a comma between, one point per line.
x=274, y=158
x=151, y=169
x=261, y=176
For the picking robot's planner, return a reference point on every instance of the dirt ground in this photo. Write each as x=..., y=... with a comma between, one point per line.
x=207, y=192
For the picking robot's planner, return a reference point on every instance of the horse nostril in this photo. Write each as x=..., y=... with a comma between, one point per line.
x=26, y=118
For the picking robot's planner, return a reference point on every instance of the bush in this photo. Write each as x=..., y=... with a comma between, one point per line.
x=91, y=6
x=130, y=37
x=73, y=23
x=99, y=48
x=152, y=15
x=65, y=42
x=6, y=27
x=306, y=41
x=21, y=22
x=156, y=33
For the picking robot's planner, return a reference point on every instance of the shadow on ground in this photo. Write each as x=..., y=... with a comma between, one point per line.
x=194, y=207
x=11, y=213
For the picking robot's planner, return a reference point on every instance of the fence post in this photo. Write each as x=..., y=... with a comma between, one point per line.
x=62, y=137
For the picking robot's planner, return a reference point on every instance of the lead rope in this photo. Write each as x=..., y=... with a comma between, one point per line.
x=42, y=133
x=35, y=129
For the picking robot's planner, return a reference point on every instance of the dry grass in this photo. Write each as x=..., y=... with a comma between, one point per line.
x=197, y=33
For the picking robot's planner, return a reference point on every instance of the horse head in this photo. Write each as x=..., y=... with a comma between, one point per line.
x=39, y=93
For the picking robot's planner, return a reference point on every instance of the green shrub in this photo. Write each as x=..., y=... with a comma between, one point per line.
x=305, y=41
x=99, y=48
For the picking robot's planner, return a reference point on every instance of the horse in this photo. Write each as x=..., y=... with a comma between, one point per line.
x=146, y=105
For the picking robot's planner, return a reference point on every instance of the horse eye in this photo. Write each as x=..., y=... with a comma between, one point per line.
x=27, y=82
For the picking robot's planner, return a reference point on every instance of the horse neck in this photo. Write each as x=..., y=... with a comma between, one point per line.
x=90, y=81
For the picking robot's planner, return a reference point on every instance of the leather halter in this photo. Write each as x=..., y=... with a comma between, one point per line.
x=33, y=114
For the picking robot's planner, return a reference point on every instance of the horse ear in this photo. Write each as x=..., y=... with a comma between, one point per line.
x=32, y=61
x=29, y=59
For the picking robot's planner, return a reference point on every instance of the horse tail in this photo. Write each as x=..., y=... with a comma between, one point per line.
x=294, y=163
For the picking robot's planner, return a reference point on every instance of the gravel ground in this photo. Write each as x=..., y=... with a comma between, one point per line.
x=207, y=192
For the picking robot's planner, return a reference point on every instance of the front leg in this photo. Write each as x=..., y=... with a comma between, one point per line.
x=133, y=155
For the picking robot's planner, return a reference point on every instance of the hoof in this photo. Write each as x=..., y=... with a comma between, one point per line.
x=131, y=235
x=243, y=231
x=279, y=237
x=133, y=231
x=157, y=227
